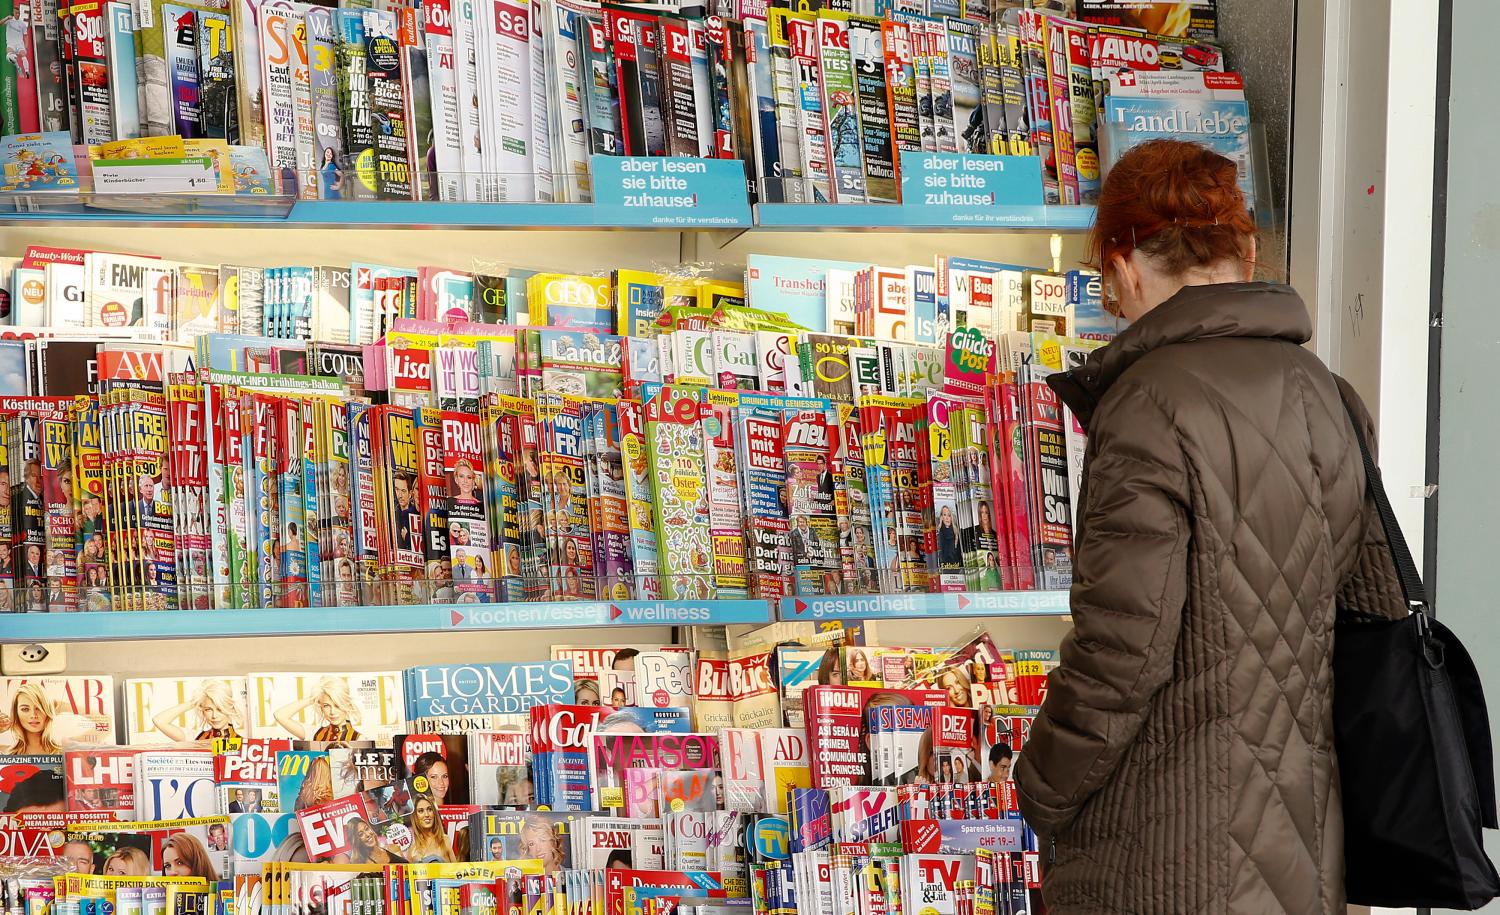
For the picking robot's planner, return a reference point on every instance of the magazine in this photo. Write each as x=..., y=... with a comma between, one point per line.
x=32, y=784
x=175, y=784
x=193, y=847
x=500, y=768
x=159, y=709
x=623, y=765
x=379, y=826
x=455, y=698
x=245, y=774
x=326, y=706
x=56, y=711
x=440, y=758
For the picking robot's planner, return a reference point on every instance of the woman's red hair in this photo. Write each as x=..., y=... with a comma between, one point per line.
x=1176, y=201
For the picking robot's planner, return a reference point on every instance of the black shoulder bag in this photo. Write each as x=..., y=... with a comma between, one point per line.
x=1413, y=741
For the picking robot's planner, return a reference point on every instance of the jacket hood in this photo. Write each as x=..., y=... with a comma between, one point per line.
x=1270, y=311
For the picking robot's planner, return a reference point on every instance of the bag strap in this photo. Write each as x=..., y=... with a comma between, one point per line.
x=1406, y=569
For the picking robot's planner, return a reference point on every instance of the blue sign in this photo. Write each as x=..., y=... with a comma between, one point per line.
x=669, y=191
x=567, y=614
x=970, y=189
x=905, y=606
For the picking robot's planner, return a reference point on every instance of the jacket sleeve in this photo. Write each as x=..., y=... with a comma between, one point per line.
x=1129, y=589
x=1371, y=583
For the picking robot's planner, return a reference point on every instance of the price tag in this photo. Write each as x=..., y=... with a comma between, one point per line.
x=669, y=191
x=155, y=176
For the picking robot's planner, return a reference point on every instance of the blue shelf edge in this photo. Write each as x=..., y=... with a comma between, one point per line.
x=583, y=216
x=502, y=617
x=956, y=605
x=813, y=216
x=497, y=617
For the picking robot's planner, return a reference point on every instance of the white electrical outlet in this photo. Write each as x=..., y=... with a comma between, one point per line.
x=33, y=659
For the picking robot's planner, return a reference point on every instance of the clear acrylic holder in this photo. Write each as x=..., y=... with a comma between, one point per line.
x=86, y=199
x=1267, y=207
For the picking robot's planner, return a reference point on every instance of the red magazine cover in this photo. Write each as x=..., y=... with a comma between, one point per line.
x=438, y=565
x=455, y=820
x=245, y=777
x=1047, y=474
x=837, y=730
x=328, y=830
x=953, y=745
x=469, y=526
x=102, y=780
x=1013, y=512
x=33, y=835
x=618, y=880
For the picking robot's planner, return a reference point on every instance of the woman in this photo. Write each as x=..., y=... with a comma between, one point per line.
x=540, y=840
x=429, y=842
x=949, y=553
x=955, y=683
x=217, y=711
x=830, y=673
x=463, y=485
x=365, y=846
x=857, y=667
x=331, y=175
x=126, y=861
x=335, y=708
x=317, y=784
x=185, y=856
x=435, y=768
x=586, y=692
x=29, y=730
x=1183, y=760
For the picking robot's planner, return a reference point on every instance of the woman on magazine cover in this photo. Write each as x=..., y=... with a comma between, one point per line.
x=317, y=784
x=432, y=765
x=28, y=728
x=335, y=709
x=365, y=846
x=215, y=709
x=540, y=840
x=184, y=856
x=1183, y=760
x=429, y=842
x=857, y=667
x=126, y=861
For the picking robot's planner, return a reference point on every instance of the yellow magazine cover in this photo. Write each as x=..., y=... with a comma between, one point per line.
x=715, y=293
x=142, y=148
x=572, y=301
x=471, y=870
x=73, y=886
x=217, y=152
x=638, y=299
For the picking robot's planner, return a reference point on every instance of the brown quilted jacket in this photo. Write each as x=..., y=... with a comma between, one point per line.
x=1183, y=760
